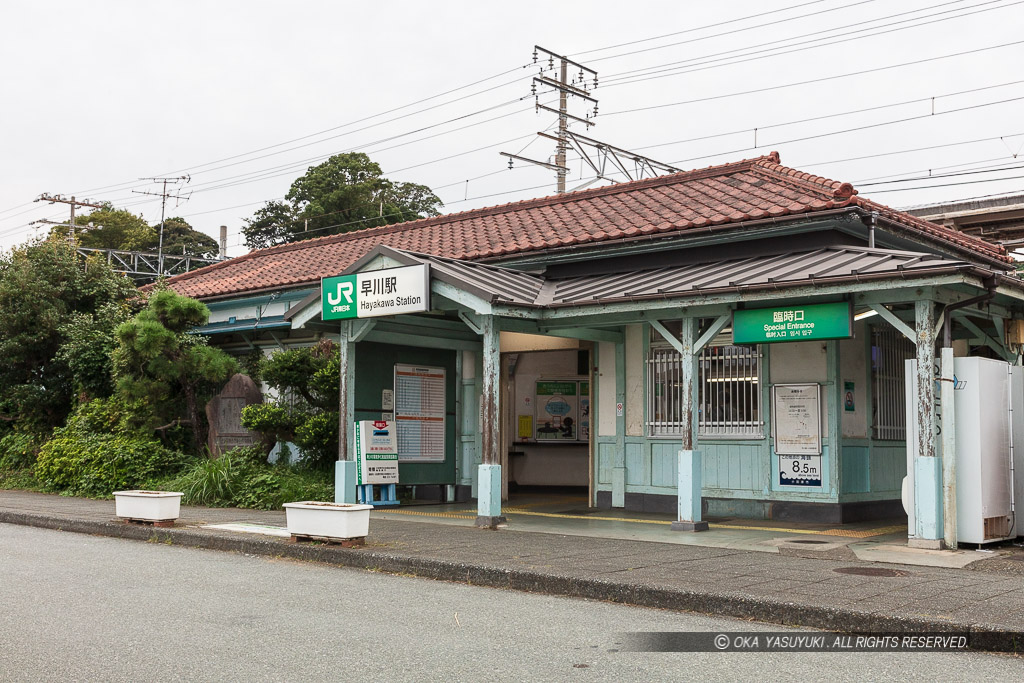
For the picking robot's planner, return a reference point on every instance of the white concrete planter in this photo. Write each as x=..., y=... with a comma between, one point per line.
x=328, y=520
x=152, y=506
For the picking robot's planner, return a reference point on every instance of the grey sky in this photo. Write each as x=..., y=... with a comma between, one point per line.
x=99, y=94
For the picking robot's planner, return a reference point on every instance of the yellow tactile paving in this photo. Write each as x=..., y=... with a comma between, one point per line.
x=850, y=533
x=450, y=515
x=520, y=510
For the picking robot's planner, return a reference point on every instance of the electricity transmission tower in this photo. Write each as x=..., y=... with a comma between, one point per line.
x=565, y=88
x=164, y=195
x=604, y=159
x=60, y=199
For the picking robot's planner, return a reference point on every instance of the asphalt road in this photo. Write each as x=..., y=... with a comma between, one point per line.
x=76, y=607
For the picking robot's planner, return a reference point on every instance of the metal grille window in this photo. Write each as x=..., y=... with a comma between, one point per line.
x=729, y=392
x=889, y=350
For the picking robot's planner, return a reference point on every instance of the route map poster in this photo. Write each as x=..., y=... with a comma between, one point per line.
x=419, y=412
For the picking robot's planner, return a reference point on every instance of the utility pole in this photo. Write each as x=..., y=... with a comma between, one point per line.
x=576, y=88
x=163, y=210
x=60, y=199
x=604, y=159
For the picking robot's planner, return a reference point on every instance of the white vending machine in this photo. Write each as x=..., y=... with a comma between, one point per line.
x=989, y=415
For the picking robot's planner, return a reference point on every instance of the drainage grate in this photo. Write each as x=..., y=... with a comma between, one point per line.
x=870, y=571
x=808, y=542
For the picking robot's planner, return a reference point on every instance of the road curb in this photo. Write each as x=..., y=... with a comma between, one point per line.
x=717, y=604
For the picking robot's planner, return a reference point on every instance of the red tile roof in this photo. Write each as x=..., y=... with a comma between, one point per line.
x=749, y=190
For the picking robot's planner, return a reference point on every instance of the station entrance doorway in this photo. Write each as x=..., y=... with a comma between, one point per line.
x=546, y=421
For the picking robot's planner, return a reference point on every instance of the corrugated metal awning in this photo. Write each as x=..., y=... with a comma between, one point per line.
x=832, y=264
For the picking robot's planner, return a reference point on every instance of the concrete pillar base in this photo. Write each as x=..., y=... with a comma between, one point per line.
x=689, y=492
x=926, y=543
x=492, y=522
x=345, y=476
x=488, y=502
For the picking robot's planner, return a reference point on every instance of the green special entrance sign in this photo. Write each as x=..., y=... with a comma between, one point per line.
x=378, y=292
x=793, y=323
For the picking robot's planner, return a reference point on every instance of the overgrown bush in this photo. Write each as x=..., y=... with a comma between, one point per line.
x=242, y=478
x=18, y=450
x=97, y=453
x=212, y=482
x=308, y=416
x=19, y=479
x=18, y=453
x=81, y=463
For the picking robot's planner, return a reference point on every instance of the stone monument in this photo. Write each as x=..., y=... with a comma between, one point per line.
x=224, y=413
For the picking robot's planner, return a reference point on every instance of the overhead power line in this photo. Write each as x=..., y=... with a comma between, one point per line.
x=845, y=29
x=741, y=30
x=747, y=92
x=811, y=81
x=704, y=66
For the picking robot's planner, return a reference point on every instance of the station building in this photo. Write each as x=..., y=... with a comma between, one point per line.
x=725, y=341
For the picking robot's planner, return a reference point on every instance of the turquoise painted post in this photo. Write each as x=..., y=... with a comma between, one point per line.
x=489, y=489
x=928, y=500
x=619, y=463
x=689, y=473
x=489, y=495
x=927, y=467
x=833, y=400
x=948, y=403
x=345, y=473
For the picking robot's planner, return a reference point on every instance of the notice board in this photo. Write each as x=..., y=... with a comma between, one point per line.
x=420, y=412
x=376, y=452
x=796, y=419
x=796, y=430
x=562, y=410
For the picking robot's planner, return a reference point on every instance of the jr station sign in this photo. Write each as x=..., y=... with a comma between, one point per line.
x=375, y=293
x=806, y=322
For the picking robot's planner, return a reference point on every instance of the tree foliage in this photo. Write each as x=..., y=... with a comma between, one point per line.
x=182, y=238
x=47, y=292
x=306, y=410
x=165, y=373
x=347, y=192
x=110, y=228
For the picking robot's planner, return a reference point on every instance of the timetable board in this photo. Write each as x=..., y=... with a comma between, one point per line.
x=420, y=412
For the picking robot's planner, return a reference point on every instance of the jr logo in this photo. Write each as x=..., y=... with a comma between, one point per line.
x=345, y=289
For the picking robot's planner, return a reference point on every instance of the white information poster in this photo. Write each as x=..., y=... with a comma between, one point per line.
x=377, y=452
x=420, y=412
x=557, y=410
x=796, y=430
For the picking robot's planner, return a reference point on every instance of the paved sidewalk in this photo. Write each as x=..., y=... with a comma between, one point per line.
x=824, y=593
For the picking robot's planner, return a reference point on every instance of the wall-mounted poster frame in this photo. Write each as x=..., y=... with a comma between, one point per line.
x=420, y=412
x=562, y=410
x=796, y=433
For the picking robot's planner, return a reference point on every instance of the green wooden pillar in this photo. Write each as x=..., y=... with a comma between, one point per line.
x=619, y=462
x=689, y=470
x=345, y=473
x=489, y=488
x=927, y=465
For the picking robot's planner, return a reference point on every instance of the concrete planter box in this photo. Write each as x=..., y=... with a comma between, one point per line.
x=328, y=520
x=151, y=506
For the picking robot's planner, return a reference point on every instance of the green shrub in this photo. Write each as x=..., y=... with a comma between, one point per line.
x=269, y=488
x=318, y=439
x=242, y=478
x=275, y=422
x=85, y=463
x=19, y=450
x=211, y=482
x=20, y=479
